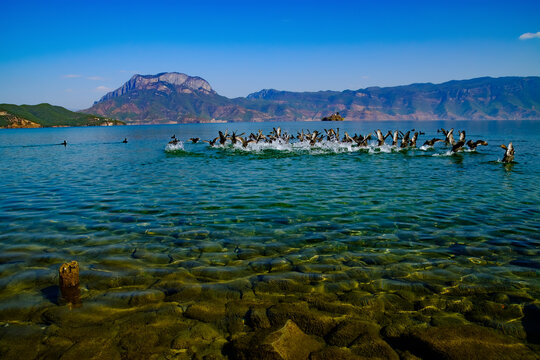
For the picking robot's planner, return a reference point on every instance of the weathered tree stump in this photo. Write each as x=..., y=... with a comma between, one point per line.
x=69, y=274
x=69, y=282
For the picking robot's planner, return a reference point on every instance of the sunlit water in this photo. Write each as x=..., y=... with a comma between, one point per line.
x=178, y=242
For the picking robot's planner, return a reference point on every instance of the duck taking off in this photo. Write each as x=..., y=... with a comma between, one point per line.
x=380, y=137
x=449, y=136
x=432, y=142
x=472, y=145
x=194, y=140
x=459, y=145
x=413, y=139
x=509, y=153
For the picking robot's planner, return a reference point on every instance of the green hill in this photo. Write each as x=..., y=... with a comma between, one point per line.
x=46, y=115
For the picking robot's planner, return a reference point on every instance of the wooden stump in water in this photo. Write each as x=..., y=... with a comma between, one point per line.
x=69, y=282
x=69, y=274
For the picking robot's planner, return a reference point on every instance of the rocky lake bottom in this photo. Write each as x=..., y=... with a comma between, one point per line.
x=270, y=252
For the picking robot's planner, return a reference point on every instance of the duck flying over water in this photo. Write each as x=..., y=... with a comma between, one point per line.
x=509, y=153
x=194, y=140
x=211, y=142
x=472, y=145
x=432, y=142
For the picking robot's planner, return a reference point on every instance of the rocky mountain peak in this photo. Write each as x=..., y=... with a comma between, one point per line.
x=166, y=82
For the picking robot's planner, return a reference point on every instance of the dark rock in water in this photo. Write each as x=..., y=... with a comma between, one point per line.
x=465, y=342
x=309, y=320
x=487, y=310
x=531, y=323
x=334, y=353
x=257, y=319
x=287, y=343
x=348, y=331
x=92, y=349
x=206, y=312
x=373, y=348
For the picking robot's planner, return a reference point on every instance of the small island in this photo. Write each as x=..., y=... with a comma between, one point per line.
x=47, y=115
x=333, y=117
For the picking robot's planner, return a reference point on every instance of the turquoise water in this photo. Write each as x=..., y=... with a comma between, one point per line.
x=176, y=245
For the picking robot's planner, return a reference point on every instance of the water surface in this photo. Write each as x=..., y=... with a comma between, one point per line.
x=176, y=245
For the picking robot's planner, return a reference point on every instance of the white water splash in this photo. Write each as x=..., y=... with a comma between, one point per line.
x=179, y=146
x=448, y=153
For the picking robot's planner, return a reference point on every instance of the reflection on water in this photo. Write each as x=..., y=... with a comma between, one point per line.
x=205, y=251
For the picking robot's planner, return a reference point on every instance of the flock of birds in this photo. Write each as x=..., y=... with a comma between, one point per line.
x=407, y=140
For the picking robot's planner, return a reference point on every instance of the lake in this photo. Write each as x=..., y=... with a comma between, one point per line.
x=207, y=252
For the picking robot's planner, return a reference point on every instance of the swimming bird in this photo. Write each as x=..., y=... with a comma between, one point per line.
x=508, y=154
x=472, y=145
x=194, y=140
x=432, y=142
x=64, y=143
x=125, y=141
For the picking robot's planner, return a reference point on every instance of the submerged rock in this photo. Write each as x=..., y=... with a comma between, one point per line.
x=466, y=342
x=309, y=320
x=206, y=312
x=286, y=343
x=348, y=331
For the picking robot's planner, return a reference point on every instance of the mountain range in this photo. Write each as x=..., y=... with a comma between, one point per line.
x=179, y=98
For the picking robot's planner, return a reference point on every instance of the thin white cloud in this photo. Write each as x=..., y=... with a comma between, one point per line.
x=528, y=36
x=69, y=90
x=95, y=78
x=103, y=88
x=70, y=76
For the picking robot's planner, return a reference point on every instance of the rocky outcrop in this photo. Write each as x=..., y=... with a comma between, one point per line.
x=10, y=121
x=165, y=82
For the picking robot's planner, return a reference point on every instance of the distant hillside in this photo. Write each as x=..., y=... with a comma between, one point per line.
x=46, y=115
x=179, y=98
x=506, y=98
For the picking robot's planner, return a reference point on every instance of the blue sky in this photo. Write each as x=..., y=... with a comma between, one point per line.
x=71, y=53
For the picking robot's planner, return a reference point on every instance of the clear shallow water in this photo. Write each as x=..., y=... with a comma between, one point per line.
x=176, y=245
